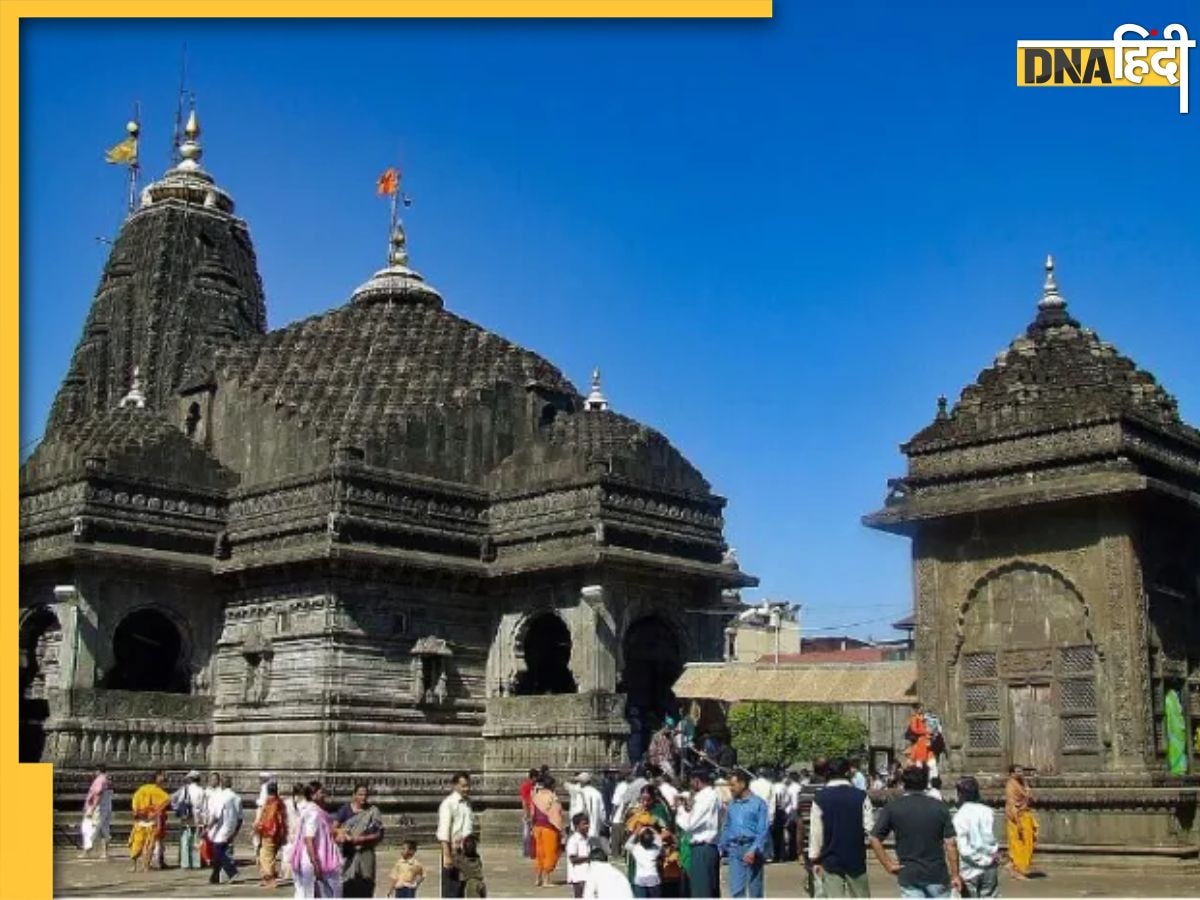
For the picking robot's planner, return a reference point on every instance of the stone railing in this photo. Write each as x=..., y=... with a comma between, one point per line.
x=127, y=729
x=560, y=731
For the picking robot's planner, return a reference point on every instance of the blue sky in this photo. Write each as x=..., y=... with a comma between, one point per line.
x=780, y=240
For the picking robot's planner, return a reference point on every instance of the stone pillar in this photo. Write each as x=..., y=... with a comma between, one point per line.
x=603, y=637
x=77, y=656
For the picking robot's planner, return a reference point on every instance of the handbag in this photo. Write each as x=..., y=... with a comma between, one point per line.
x=205, y=851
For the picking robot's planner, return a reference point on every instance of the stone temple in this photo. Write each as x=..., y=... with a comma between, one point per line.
x=1054, y=514
x=378, y=542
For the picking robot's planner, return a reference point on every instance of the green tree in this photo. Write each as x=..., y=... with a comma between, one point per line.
x=778, y=734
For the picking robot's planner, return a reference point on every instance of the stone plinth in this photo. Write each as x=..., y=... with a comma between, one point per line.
x=566, y=732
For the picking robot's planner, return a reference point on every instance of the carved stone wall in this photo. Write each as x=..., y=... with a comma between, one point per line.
x=1000, y=599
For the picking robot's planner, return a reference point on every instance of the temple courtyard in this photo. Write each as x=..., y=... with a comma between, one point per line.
x=508, y=875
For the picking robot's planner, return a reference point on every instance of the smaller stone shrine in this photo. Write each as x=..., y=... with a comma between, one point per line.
x=1055, y=518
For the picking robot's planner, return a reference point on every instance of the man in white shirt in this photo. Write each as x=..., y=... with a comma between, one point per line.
x=791, y=816
x=840, y=819
x=191, y=800
x=974, y=828
x=224, y=822
x=605, y=881
x=699, y=818
x=455, y=822
x=586, y=799
x=667, y=790
x=777, y=809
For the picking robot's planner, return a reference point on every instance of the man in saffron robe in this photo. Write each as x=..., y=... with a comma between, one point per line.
x=548, y=824
x=1021, y=825
x=150, y=804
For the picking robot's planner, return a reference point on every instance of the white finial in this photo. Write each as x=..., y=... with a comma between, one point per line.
x=596, y=401
x=1050, y=295
x=190, y=150
x=135, y=397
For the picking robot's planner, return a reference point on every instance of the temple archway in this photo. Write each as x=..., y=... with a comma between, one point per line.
x=653, y=663
x=40, y=641
x=148, y=655
x=546, y=648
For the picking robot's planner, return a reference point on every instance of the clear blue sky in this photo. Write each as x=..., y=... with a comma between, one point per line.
x=780, y=240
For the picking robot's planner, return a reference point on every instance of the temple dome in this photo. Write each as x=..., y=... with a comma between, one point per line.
x=1056, y=374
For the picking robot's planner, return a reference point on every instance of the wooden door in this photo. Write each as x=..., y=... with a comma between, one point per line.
x=1034, y=726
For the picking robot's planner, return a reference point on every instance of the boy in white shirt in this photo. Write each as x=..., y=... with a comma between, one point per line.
x=645, y=847
x=579, y=853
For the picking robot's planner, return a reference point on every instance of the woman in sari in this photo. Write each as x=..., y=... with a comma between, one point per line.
x=149, y=804
x=548, y=822
x=1022, y=827
x=316, y=863
x=97, y=814
x=1176, y=728
x=359, y=829
x=649, y=811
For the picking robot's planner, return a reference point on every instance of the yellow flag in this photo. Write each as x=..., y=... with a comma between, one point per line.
x=124, y=153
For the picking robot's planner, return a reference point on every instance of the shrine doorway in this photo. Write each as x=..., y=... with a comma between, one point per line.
x=1034, y=727
x=653, y=663
x=40, y=641
x=547, y=652
x=148, y=655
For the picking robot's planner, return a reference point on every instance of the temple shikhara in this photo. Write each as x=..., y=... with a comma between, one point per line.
x=381, y=542
x=1054, y=513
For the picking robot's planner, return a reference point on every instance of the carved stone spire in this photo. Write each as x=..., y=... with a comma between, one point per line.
x=596, y=401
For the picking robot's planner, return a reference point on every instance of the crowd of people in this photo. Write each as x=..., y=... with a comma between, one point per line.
x=295, y=838
x=660, y=828
x=646, y=832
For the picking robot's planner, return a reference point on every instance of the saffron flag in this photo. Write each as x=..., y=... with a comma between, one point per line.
x=124, y=153
x=389, y=183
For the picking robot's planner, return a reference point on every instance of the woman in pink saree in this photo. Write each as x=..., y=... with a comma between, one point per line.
x=97, y=815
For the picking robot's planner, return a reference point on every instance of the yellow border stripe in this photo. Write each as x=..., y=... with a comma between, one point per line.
x=384, y=9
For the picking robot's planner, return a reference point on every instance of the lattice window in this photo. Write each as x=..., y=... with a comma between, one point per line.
x=1081, y=732
x=1079, y=695
x=979, y=665
x=981, y=698
x=1077, y=660
x=983, y=734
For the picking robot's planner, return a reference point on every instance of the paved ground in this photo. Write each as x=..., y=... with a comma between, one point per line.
x=508, y=875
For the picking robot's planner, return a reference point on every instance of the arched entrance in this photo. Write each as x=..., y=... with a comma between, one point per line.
x=547, y=651
x=40, y=643
x=148, y=655
x=653, y=663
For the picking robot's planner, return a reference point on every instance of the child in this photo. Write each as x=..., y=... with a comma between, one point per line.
x=645, y=848
x=579, y=851
x=470, y=868
x=407, y=873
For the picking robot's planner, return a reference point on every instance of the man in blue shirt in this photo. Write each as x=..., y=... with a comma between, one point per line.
x=744, y=837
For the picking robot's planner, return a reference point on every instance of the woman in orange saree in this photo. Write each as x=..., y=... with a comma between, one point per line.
x=1022, y=827
x=548, y=823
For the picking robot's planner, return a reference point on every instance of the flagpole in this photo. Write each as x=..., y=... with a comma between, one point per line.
x=135, y=166
x=395, y=215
